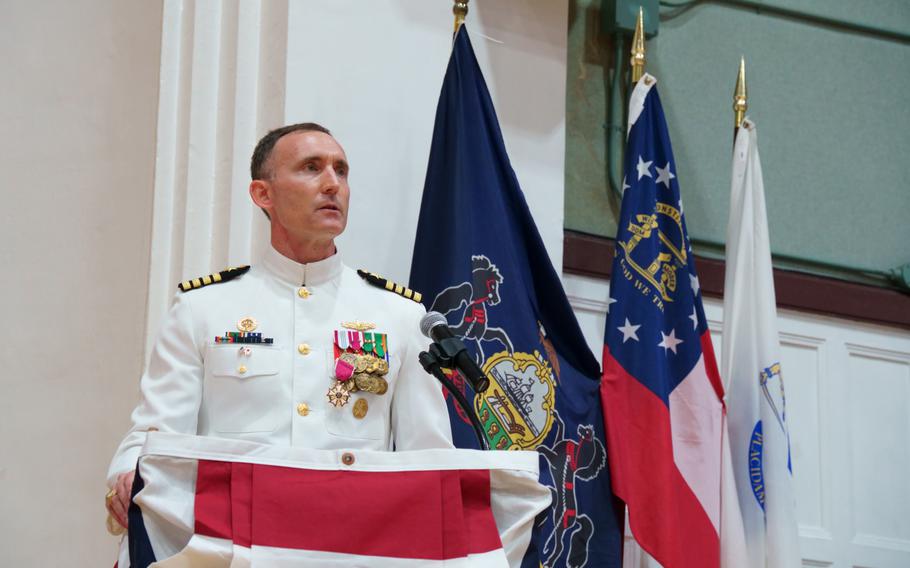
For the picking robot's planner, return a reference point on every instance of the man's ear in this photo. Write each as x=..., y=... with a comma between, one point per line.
x=260, y=193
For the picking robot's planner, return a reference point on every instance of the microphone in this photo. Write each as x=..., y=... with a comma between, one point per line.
x=435, y=326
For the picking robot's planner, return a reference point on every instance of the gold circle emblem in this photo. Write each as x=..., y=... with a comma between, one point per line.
x=247, y=324
x=517, y=408
x=360, y=408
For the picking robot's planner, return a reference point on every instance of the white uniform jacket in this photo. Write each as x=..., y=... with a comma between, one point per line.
x=276, y=393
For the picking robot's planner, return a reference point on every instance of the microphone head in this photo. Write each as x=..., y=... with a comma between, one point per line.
x=431, y=320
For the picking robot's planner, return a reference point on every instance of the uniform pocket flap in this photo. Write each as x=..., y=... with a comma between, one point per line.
x=242, y=361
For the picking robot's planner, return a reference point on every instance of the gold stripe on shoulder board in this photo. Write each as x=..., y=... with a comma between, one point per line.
x=202, y=281
x=385, y=284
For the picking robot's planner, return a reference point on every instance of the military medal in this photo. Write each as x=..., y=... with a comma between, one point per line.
x=361, y=363
x=345, y=366
x=338, y=396
x=360, y=408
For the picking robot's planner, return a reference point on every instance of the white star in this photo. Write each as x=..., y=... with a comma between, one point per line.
x=643, y=168
x=669, y=341
x=625, y=186
x=665, y=175
x=693, y=279
x=629, y=331
x=694, y=318
x=680, y=206
x=610, y=302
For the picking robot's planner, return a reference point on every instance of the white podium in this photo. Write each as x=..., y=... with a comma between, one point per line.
x=213, y=502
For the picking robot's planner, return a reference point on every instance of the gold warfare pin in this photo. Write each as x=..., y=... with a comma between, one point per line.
x=358, y=325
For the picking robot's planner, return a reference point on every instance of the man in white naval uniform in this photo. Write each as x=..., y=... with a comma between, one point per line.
x=300, y=297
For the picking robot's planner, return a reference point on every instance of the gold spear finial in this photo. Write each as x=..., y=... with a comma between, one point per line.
x=460, y=9
x=638, y=47
x=740, y=95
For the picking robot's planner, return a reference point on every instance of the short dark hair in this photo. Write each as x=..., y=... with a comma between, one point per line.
x=265, y=146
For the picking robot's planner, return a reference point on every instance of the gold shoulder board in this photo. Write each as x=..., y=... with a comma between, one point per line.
x=222, y=276
x=380, y=282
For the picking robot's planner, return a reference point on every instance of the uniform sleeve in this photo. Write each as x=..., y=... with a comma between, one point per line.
x=171, y=388
x=420, y=419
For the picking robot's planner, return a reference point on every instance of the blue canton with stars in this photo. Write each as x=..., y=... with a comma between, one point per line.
x=655, y=318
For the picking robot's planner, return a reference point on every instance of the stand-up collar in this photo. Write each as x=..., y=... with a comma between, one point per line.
x=296, y=274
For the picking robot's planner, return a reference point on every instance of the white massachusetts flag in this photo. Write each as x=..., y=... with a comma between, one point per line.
x=203, y=501
x=756, y=405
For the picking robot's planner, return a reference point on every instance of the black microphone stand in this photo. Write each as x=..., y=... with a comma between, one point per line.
x=433, y=361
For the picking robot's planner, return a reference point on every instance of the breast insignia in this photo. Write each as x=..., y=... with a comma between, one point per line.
x=222, y=276
x=380, y=282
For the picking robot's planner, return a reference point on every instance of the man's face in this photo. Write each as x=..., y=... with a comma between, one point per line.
x=308, y=189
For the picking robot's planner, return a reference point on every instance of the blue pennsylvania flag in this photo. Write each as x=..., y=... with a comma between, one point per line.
x=480, y=261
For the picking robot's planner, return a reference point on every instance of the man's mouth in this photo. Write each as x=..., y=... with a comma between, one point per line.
x=330, y=207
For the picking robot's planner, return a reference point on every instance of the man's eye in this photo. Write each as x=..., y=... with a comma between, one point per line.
x=312, y=167
x=343, y=172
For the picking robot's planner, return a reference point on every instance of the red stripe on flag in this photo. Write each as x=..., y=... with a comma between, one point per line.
x=665, y=516
x=707, y=349
x=213, y=499
x=242, y=503
x=435, y=515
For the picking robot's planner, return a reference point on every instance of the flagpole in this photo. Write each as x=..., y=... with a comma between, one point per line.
x=460, y=9
x=638, y=48
x=740, y=98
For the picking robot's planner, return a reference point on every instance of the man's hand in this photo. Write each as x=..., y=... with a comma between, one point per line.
x=119, y=502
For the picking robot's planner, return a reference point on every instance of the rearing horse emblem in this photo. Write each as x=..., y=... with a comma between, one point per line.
x=473, y=298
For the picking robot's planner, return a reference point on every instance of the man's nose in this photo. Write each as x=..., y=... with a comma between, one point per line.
x=331, y=180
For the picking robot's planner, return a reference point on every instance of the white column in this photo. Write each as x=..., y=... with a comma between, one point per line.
x=220, y=63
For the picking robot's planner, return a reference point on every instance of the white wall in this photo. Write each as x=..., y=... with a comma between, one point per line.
x=373, y=73
x=77, y=110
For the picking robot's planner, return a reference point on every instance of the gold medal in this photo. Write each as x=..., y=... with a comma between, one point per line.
x=371, y=383
x=360, y=408
x=247, y=324
x=363, y=363
x=365, y=382
x=338, y=396
x=383, y=367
